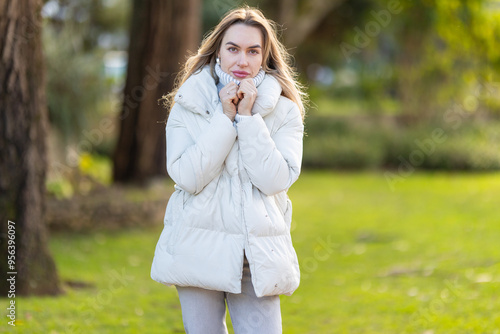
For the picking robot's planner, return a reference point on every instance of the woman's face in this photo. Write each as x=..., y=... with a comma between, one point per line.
x=241, y=51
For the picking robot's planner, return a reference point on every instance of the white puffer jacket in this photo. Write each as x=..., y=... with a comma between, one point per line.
x=230, y=194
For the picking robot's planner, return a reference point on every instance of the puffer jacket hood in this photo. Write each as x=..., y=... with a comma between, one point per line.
x=230, y=196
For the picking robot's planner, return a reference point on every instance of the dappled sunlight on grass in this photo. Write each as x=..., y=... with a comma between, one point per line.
x=409, y=260
x=423, y=257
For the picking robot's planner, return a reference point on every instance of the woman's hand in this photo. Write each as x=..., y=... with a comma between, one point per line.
x=229, y=99
x=247, y=93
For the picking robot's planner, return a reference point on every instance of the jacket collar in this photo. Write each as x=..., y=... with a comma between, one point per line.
x=199, y=94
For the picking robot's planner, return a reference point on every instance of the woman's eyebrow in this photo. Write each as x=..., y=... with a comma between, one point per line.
x=250, y=47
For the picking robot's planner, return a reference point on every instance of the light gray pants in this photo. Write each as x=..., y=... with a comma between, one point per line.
x=204, y=311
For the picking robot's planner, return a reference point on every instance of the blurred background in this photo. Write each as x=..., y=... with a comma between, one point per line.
x=402, y=129
x=382, y=76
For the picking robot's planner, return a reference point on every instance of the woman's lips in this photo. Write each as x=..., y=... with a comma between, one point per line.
x=240, y=74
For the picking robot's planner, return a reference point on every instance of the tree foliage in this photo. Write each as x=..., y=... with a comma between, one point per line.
x=428, y=55
x=76, y=35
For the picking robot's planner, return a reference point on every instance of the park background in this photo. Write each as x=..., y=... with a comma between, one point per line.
x=395, y=214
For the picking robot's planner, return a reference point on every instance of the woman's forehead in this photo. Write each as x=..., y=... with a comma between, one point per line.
x=243, y=35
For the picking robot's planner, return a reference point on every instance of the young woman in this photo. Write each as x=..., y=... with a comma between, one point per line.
x=234, y=147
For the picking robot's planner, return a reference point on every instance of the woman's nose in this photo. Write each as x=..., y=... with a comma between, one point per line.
x=242, y=60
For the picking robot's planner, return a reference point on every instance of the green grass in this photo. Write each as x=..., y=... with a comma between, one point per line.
x=326, y=106
x=422, y=258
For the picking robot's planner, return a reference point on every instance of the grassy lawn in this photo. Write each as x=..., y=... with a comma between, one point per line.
x=325, y=106
x=422, y=258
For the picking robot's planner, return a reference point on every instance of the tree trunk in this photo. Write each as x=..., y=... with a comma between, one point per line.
x=161, y=33
x=23, y=126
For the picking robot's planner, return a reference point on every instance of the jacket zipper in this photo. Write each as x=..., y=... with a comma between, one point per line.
x=247, y=241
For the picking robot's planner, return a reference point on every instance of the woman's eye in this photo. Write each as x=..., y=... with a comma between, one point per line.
x=232, y=49
x=254, y=52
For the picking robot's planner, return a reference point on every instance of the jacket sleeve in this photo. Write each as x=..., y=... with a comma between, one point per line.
x=272, y=163
x=193, y=163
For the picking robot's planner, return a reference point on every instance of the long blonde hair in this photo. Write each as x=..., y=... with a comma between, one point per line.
x=276, y=59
